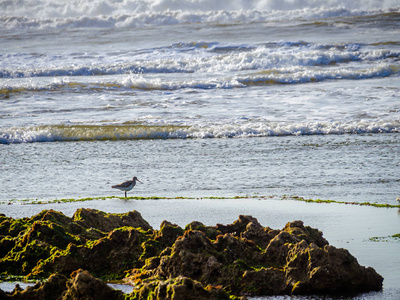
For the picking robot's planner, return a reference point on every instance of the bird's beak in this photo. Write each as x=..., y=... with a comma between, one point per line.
x=139, y=181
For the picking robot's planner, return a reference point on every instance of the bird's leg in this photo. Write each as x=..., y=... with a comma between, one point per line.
x=125, y=194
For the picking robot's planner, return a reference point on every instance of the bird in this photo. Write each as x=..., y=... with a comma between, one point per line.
x=127, y=185
x=398, y=199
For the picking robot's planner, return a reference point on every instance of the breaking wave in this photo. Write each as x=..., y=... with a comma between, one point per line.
x=284, y=62
x=131, y=82
x=133, y=13
x=66, y=133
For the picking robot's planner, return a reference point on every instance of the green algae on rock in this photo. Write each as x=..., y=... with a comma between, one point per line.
x=295, y=260
x=380, y=205
x=82, y=285
x=178, y=288
x=52, y=242
x=243, y=258
x=388, y=239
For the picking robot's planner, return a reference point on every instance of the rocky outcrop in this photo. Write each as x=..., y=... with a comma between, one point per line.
x=82, y=285
x=52, y=289
x=211, y=262
x=179, y=288
x=297, y=260
x=106, y=244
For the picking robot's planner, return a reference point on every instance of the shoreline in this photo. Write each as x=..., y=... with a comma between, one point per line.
x=258, y=197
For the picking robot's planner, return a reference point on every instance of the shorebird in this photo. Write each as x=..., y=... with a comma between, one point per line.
x=398, y=199
x=127, y=185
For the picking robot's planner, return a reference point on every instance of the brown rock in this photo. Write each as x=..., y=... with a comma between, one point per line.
x=240, y=258
x=57, y=287
x=84, y=286
x=48, y=290
x=180, y=288
x=278, y=248
x=194, y=255
x=297, y=260
x=310, y=235
x=328, y=270
x=238, y=226
x=168, y=233
x=118, y=252
x=266, y=281
x=106, y=222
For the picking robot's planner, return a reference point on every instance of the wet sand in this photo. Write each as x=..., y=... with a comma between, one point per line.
x=344, y=226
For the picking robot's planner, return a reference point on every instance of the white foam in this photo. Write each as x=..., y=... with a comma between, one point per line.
x=256, y=129
x=129, y=13
x=296, y=75
x=64, y=8
x=205, y=57
x=284, y=75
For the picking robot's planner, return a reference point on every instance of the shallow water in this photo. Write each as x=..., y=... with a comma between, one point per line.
x=360, y=168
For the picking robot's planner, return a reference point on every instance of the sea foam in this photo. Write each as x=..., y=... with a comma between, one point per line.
x=210, y=57
x=133, y=13
x=65, y=133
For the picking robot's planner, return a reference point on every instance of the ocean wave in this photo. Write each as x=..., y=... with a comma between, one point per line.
x=304, y=75
x=41, y=14
x=67, y=133
x=57, y=9
x=142, y=82
x=196, y=57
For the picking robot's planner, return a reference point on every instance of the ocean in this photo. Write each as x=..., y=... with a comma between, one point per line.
x=200, y=99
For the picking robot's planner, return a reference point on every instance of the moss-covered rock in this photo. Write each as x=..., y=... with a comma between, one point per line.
x=179, y=288
x=313, y=269
x=200, y=262
x=106, y=244
x=252, y=260
x=82, y=285
x=91, y=218
x=52, y=288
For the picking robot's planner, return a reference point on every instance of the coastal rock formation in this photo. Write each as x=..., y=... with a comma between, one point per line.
x=297, y=260
x=105, y=244
x=53, y=288
x=179, y=288
x=211, y=262
x=82, y=285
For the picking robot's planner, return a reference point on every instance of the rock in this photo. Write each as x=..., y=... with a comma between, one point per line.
x=238, y=226
x=194, y=255
x=179, y=288
x=310, y=235
x=265, y=281
x=105, y=244
x=57, y=287
x=328, y=270
x=243, y=258
x=6, y=244
x=106, y=222
x=84, y=286
x=278, y=248
x=168, y=233
x=297, y=260
x=48, y=290
x=110, y=256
